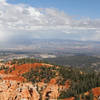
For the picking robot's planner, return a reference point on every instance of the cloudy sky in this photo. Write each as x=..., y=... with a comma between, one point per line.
x=44, y=19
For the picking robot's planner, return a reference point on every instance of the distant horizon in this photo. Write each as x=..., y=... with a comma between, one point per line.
x=49, y=43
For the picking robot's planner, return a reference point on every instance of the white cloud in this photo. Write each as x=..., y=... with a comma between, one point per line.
x=16, y=19
x=2, y=1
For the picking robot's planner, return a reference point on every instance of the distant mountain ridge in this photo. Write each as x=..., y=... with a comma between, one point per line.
x=51, y=45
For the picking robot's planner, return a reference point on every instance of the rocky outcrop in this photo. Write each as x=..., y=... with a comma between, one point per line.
x=13, y=90
x=96, y=92
x=72, y=98
x=50, y=92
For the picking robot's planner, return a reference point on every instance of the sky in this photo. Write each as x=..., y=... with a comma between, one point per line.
x=77, y=8
x=49, y=19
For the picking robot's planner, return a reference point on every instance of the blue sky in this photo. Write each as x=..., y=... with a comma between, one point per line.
x=77, y=8
x=45, y=19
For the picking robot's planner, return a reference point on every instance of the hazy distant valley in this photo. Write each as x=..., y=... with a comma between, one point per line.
x=53, y=46
x=60, y=52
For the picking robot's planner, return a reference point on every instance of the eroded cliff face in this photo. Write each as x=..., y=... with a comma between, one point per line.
x=14, y=90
